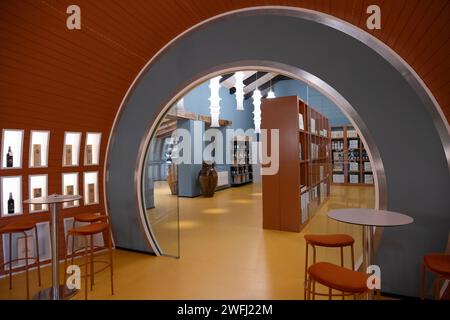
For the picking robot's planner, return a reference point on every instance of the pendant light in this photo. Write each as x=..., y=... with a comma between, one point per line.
x=257, y=110
x=239, y=85
x=271, y=94
x=214, y=101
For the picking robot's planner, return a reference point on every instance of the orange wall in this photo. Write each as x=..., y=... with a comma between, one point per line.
x=60, y=80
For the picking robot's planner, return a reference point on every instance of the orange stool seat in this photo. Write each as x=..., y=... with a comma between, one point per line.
x=17, y=227
x=89, y=229
x=330, y=240
x=338, y=278
x=90, y=217
x=438, y=263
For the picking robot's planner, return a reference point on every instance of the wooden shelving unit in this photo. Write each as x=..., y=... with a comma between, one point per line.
x=241, y=169
x=351, y=163
x=293, y=195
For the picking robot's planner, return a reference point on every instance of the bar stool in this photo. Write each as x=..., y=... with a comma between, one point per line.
x=87, y=232
x=329, y=241
x=347, y=281
x=90, y=218
x=22, y=227
x=439, y=265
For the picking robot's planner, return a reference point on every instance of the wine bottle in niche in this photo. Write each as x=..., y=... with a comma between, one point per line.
x=10, y=204
x=9, y=158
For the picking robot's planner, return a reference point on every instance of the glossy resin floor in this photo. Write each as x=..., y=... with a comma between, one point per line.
x=225, y=254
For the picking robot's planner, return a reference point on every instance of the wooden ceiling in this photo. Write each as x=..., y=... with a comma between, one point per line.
x=66, y=79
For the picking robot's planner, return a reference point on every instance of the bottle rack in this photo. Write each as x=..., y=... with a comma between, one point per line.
x=241, y=168
x=351, y=163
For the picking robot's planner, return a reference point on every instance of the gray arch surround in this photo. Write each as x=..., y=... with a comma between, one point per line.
x=402, y=120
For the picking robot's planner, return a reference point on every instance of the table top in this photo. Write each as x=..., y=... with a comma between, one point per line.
x=370, y=217
x=54, y=198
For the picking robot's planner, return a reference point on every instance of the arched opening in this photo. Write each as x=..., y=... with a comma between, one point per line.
x=170, y=207
x=321, y=50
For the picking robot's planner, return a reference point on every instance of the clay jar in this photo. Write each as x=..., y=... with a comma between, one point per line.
x=208, y=179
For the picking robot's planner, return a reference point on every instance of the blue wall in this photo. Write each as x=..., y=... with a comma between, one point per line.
x=316, y=100
x=197, y=101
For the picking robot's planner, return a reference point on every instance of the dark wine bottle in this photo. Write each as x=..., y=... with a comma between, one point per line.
x=9, y=158
x=10, y=204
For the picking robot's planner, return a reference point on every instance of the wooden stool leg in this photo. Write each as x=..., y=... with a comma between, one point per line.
x=314, y=254
x=353, y=257
x=91, y=240
x=342, y=265
x=314, y=283
x=38, y=263
x=422, y=281
x=86, y=254
x=314, y=290
x=437, y=288
x=330, y=291
x=10, y=263
x=73, y=250
x=308, y=295
x=306, y=271
x=111, y=260
x=26, y=265
x=65, y=257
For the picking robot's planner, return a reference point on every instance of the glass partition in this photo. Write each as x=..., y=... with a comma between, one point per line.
x=160, y=189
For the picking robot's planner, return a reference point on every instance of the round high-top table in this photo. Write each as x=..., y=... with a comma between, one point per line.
x=57, y=291
x=369, y=218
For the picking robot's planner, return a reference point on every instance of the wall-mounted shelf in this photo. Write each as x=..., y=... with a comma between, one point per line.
x=71, y=149
x=90, y=181
x=38, y=187
x=11, y=196
x=92, y=149
x=70, y=187
x=39, y=148
x=12, y=147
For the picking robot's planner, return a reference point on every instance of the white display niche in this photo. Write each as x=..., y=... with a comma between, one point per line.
x=38, y=187
x=11, y=187
x=12, y=147
x=70, y=187
x=90, y=181
x=39, y=148
x=71, y=149
x=92, y=149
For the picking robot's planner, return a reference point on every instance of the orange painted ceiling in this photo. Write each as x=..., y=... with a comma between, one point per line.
x=55, y=78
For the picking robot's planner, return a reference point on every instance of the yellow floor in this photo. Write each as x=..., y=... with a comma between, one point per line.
x=225, y=254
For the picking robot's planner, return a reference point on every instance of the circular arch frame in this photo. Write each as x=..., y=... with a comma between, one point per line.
x=386, y=67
